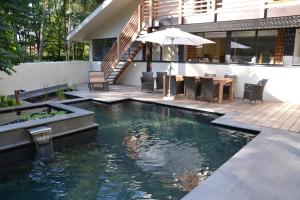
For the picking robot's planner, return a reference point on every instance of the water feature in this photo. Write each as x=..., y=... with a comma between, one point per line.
x=143, y=151
x=42, y=137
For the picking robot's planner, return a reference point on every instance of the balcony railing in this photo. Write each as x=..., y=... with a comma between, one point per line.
x=197, y=11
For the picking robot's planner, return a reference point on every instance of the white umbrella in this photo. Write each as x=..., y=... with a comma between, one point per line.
x=173, y=36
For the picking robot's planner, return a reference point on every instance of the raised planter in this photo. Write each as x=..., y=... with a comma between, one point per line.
x=45, y=94
x=73, y=121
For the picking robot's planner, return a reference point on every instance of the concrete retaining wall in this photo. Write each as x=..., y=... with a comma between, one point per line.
x=32, y=76
x=282, y=86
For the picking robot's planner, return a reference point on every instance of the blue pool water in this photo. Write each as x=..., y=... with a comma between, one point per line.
x=142, y=151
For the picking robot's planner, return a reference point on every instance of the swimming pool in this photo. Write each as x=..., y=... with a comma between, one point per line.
x=143, y=151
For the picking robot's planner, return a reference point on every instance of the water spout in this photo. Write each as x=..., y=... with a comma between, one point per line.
x=42, y=137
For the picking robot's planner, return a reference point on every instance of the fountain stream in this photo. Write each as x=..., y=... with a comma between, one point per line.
x=42, y=137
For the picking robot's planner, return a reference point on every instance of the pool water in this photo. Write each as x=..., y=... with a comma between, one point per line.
x=143, y=151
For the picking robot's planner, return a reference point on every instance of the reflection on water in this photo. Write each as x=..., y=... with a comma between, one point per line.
x=143, y=151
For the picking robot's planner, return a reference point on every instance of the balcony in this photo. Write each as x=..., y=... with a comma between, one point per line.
x=173, y=12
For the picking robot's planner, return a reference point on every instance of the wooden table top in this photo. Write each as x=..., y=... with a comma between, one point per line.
x=217, y=79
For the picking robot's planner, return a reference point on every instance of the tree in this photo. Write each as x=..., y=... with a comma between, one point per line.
x=11, y=51
x=36, y=30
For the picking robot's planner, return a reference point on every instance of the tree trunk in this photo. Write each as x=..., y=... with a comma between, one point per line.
x=70, y=9
x=42, y=30
x=41, y=46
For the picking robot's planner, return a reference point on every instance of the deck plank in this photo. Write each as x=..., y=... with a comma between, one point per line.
x=272, y=112
x=250, y=115
x=287, y=125
x=259, y=113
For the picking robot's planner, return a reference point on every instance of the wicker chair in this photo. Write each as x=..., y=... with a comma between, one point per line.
x=209, y=90
x=177, y=86
x=254, y=92
x=160, y=79
x=147, y=81
x=191, y=87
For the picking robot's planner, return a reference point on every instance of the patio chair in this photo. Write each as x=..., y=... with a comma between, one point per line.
x=147, y=81
x=97, y=77
x=177, y=86
x=160, y=79
x=209, y=89
x=227, y=85
x=191, y=87
x=206, y=75
x=254, y=92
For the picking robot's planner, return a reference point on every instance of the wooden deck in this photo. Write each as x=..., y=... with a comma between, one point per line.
x=275, y=115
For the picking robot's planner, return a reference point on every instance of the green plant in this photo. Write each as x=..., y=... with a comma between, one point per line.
x=71, y=88
x=266, y=56
x=25, y=116
x=7, y=101
x=60, y=94
x=45, y=92
x=57, y=112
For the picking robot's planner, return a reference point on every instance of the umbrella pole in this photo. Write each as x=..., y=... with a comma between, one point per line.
x=169, y=97
x=170, y=73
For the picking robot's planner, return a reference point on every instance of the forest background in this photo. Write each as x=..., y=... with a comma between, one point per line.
x=36, y=30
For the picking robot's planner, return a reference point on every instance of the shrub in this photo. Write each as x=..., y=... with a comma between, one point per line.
x=7, y=101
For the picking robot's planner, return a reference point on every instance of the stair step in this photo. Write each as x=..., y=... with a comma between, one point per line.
x=114, y=74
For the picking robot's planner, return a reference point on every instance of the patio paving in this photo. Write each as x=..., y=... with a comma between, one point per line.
x=270, y=114
x=266, y=168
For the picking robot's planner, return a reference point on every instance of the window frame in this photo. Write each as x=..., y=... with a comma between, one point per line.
x=101, y=51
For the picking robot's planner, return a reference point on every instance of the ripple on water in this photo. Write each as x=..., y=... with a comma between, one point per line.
x=143, y=151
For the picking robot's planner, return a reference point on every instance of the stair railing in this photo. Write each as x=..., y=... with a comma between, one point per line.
x=138, y=21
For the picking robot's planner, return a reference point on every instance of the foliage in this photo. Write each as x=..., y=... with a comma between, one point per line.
x=45, y=91
x=36, y=30
x=60, y=94
x=11, y=51
x=266, y=56
x=7, y=101
x=25, y=116
x=71, y=88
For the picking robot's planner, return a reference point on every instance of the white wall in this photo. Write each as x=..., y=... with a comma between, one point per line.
x=114, y=25
x=283, y=82
x=95, y=65
x=31, y=76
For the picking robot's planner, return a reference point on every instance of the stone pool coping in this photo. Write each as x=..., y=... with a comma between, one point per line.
x=266, y=168
x=74, y=112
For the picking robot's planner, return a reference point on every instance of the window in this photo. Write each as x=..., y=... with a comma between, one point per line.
x=156, y=51
x=208, y=53
x=215, y=53
x=242, y=47
x=270, y=44
x=296, y=59
x=170, y=53
x=194, y=54
x=101, y=47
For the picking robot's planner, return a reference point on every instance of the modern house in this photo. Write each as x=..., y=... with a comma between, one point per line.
x=254, y=39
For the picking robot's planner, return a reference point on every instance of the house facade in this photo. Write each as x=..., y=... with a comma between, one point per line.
x=254, y=39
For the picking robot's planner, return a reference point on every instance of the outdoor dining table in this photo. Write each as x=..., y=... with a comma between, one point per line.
x=221, y=82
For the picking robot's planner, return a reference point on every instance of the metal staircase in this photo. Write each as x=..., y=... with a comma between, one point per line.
x=125, y=48
x=124, y=62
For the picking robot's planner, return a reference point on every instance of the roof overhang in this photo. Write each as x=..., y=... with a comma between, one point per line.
x=99, y=18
